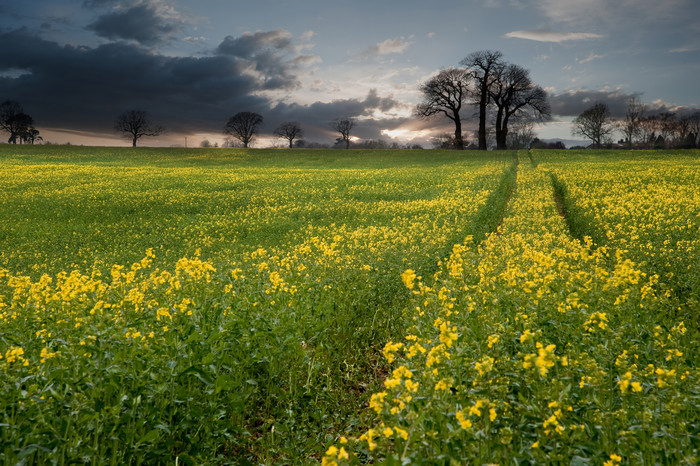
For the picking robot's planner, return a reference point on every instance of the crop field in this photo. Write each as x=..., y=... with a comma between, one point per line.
x=276, y=307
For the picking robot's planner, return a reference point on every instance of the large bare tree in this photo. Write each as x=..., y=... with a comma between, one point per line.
x=289, y=130
x=15, y=121
x=135, y=124
x=631, y=125
x=344, y=126
x=515, y=95
x=243, y=126
x=446, y=93
x=594, y=123
x=484, y=67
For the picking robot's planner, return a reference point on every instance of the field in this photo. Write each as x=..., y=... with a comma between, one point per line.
x=268, y=306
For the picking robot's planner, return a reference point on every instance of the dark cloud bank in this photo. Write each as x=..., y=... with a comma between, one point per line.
x=84, y=88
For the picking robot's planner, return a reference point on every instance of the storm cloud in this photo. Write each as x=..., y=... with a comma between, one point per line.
x=85, y=88
x=141, y=23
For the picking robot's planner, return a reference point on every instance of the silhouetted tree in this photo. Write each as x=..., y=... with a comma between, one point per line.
x=446, y=93
x=243, y=126
x=344, y=126
x=483, y=69
x=514, y=94
x=631, y=125
x=135, y=124
x=31, y=135
x=289, y=130
x=14, y=121
x=594, y=123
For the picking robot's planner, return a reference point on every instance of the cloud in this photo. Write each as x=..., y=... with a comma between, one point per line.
x=141, y=23
x=574, y=102
x=398, y=45
x=84, y=88
x=545, y=35
x=270, y=56
x=591, y=56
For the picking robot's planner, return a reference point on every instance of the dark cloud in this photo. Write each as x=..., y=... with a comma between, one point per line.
x=573, y=103
x=85, y=88
x=267, y=53
x=141, y=23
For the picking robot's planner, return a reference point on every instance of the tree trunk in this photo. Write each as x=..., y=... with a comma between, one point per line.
x=133, y=141
x=482, y=115
x=347, y=143
x=290, y=143
x=459, y=143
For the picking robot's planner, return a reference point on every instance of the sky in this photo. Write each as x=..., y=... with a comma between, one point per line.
x=75, y=65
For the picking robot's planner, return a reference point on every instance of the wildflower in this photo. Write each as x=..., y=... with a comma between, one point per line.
x=408, y=278
x=485, y=365
x=463, y=421
x=614, y=460
x=376, y=402
x=389, y=349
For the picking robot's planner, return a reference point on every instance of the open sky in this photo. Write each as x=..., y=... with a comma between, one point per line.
x=74, y=65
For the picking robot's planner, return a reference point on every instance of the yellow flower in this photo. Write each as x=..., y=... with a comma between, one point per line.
x=408, y=278
x=463, y=421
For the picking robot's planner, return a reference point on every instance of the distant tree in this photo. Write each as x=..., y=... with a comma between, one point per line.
x=205, y=143
x=694, y=122
x=446, y=93
x=594, y=123
x=243, y=126
x=631, y=125
x=14, y=121
x=344, y=126
x=135, y=124
x=515, y=95
x=289, y=130
x=483, y=67
x=31, y=135
x=521, y=134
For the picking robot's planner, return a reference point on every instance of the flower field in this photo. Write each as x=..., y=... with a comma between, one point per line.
x=162, y=306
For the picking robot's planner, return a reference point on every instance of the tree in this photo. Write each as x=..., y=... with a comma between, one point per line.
x=289, y=130
x=344, y=126
x=520, y=134
x=515, y=95
x=594, y=123
x=483, y=68
x=31, y=135
x=243, y=126
x=631, y=125
x=135, y=124
x=446, y=93
x=14, y=121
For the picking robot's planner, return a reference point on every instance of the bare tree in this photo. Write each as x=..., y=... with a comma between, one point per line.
x=694, y=122
x=243, y=126
x=344, y=126
x=594, y=123
x=631, y=125
x=521, y=134
x=483, y=68
x=515, y=95
x=135, y=124
x=14, y=121
x=289, y=130
x=446, y=93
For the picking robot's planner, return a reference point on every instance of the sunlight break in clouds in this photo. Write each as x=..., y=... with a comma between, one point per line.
x=545, y=35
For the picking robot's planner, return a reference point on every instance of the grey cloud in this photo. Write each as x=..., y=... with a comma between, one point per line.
x=141, y=23
x=573, y=103
x=84, y=88
x=545, y=35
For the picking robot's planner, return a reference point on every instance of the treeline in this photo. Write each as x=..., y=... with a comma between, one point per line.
x=640, y=128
